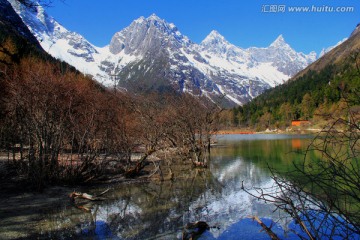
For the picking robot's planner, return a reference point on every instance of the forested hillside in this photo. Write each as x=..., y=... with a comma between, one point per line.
x=324, y=88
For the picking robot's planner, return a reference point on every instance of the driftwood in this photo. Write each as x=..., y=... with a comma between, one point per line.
x=268, y=230
x=86, y=207
x=78, y=195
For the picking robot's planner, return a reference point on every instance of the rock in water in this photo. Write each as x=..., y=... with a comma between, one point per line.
x=194, y=230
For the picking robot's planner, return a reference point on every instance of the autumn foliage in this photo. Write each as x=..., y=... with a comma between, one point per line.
x=58, y=125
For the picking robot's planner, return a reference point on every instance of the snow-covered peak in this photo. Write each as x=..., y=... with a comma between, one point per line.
x=147, y=35
x=140, y=20
x=279, y=42
x=213, y=36
x=154, y=17
x=216, y=44
x=312, y=56
x=162, y=25
x=214, y=40
x=282, y=57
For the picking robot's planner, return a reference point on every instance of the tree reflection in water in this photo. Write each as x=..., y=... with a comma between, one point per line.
x=160, y=210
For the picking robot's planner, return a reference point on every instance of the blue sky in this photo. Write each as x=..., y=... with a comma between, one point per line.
x=244, y=23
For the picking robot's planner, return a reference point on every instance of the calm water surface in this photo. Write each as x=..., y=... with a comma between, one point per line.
x=160, y=210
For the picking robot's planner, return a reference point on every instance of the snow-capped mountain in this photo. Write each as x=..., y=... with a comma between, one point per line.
x=147, y=34
x=61, y=43
x=283, y=57
x=152, y=54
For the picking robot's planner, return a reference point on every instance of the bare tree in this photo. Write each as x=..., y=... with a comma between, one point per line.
x=153, y=129
x=322, y=194
x=196, y=122
x=52, y=110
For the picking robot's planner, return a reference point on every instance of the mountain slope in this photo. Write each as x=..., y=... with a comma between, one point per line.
x=315, y=91
x=152, y=54
x=337, y=54
x=12, y=23
x=16, y=40
x=60, y=43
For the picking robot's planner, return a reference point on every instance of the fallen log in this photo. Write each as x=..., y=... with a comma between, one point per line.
x=75, y=195
x=268, y=230
x=87, y=207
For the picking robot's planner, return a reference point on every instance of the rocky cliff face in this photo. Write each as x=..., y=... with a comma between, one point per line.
x=147, y=36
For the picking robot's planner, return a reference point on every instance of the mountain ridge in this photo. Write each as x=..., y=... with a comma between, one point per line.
x=212, y=68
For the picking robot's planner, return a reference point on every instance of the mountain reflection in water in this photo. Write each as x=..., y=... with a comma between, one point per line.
x=159, y=210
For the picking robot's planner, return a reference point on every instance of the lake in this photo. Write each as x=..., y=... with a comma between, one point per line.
x=160, y=210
